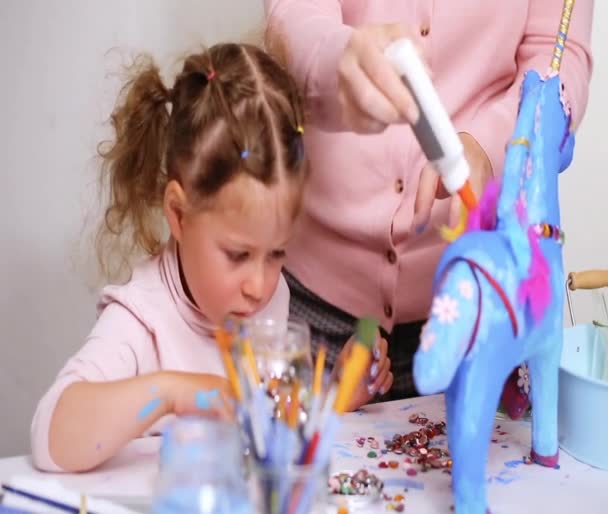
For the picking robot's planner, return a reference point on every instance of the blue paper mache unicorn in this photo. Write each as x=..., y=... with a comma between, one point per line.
x=498, y=293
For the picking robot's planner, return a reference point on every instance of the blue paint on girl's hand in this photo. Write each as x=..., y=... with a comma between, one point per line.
x=149, y=408
x=204, y=399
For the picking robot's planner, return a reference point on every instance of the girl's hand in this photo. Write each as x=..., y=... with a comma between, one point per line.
x=199, y=393
x=378, y=379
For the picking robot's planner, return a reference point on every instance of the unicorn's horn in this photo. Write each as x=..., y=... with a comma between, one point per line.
x=562, y=35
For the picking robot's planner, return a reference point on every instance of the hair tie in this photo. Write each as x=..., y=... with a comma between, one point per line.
x=211, y=75
x=244, y=154
x=300, y=129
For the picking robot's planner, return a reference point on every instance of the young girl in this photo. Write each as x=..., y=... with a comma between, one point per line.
x=221, y=155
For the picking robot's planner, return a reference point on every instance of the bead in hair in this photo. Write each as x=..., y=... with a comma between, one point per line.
x=244, y=154
x=300, y=129
x=211, y=75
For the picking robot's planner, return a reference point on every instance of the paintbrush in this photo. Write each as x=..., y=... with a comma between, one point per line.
x=315, y=408
x=356, y=363
x=258, y=415
x=248, y=352
x=319, y=447
x=224, y=342
x=83, y=504
x=44, y=500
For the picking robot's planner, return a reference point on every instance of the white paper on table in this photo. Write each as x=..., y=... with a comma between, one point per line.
x=51, y=489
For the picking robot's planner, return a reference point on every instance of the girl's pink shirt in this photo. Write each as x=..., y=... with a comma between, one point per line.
x=144, y=326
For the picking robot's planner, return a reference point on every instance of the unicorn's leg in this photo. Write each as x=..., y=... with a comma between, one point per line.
x=544, y=371
x=471, y=406
x=446, y=336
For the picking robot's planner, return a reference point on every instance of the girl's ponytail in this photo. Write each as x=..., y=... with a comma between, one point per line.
x=134, y=169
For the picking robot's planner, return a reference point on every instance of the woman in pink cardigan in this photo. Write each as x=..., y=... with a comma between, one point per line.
x=367, y=242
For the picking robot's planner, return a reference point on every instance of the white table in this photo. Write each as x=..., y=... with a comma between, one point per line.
x=513, y=488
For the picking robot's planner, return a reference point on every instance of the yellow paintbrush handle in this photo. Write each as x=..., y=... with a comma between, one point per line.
x=354, y=369
x=294, y=408
x=231, y=374
x=248, y=351
x=224, y=342
x=318, y=377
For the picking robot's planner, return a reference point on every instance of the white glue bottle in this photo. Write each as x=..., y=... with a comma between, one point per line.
x=433, y=130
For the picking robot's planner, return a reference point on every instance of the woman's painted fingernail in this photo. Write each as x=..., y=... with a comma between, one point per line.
x=376, y=352
x=374, y=370
x=413, y=113
x=420, y=228
x=371, y=390
x=381, y=391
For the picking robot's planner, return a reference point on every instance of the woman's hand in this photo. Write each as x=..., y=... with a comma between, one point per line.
x=378, y=378
x=430, y=186
x=371, y=93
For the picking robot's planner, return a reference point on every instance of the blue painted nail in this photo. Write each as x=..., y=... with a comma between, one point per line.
x=374, y=370
x=376, y=352
x=420, y=228
x=371, y=390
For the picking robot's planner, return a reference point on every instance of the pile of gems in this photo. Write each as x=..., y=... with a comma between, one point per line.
x=361, y=483
x=416, y=445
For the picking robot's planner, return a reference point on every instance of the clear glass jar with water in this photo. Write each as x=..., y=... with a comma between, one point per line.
x=201, y=470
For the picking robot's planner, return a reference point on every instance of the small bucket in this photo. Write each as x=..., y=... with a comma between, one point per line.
x=583, y=382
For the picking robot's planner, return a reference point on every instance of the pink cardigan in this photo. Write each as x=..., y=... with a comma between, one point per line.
x=354, y=247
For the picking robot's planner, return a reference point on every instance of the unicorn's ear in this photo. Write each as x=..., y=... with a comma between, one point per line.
x=531, y=79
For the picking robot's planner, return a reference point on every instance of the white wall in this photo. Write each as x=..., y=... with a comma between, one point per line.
x=584, y=186
x=56, y=90
x=55, y=93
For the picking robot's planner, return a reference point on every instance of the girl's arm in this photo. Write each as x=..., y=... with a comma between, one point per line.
x=111, y=391
x=93, y=420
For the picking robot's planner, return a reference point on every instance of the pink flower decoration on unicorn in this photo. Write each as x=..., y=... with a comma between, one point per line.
x=466, y=289
x=523, y=382
x=445, y=309
x=427, y=338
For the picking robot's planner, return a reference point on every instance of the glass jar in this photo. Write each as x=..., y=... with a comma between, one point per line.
x=289, y=489
x=283, y=358
x=201, y=469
